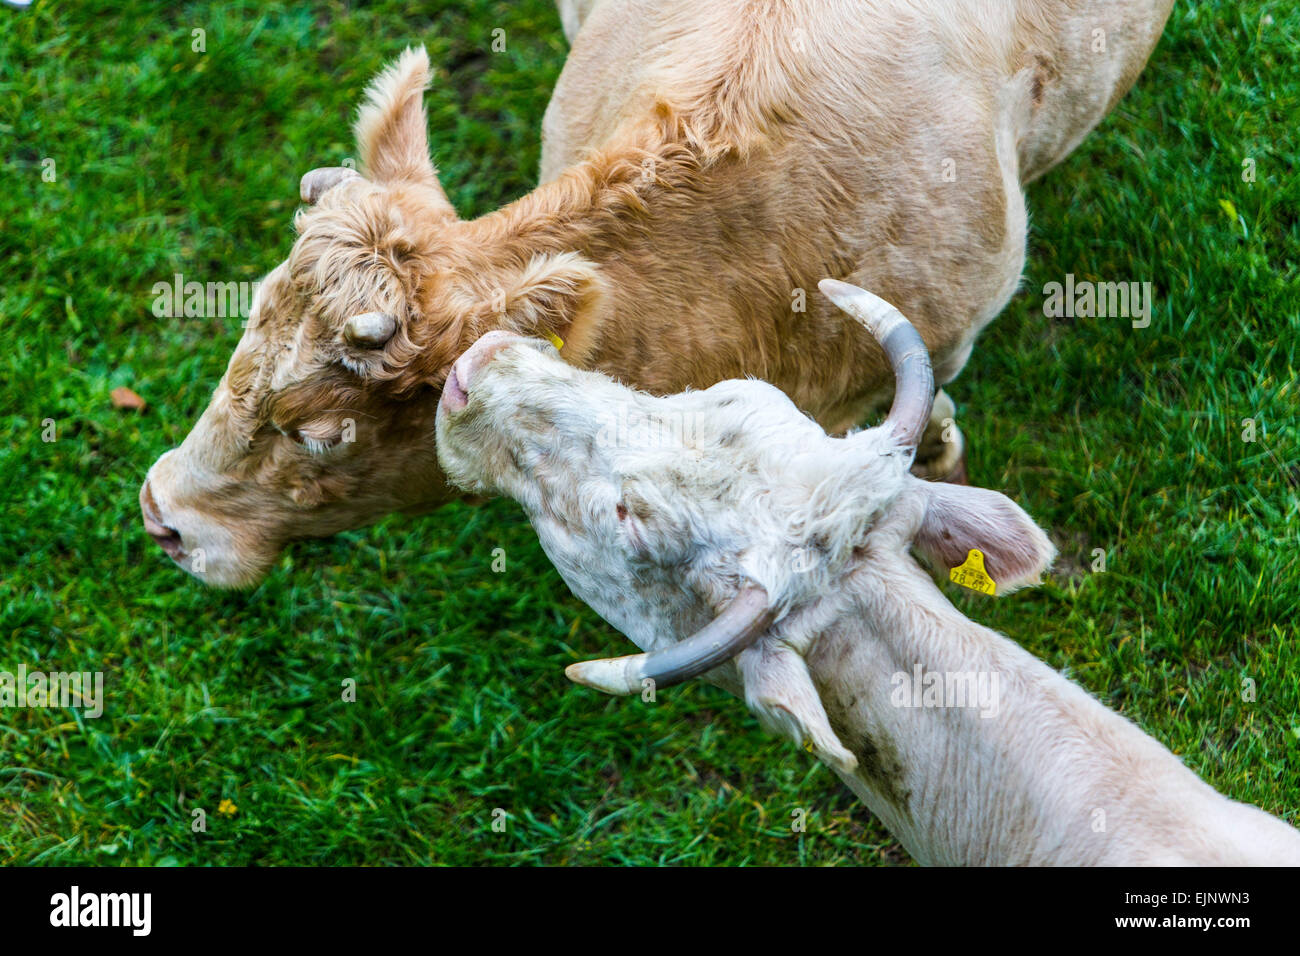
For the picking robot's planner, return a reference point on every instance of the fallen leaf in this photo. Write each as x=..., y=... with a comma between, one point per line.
x=123, y=397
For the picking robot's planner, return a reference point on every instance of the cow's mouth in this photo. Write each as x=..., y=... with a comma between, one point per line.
x=455, y=391
x=169, y=539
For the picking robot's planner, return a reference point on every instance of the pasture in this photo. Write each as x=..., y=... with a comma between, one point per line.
x=1163, y=460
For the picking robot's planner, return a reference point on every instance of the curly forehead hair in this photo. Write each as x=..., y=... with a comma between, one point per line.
x=355, y=253
x=359, y=251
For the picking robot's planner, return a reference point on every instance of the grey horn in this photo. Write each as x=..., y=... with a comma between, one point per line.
x=320, y=181
x=369, y=330
x=906, y=351
x=738, y=626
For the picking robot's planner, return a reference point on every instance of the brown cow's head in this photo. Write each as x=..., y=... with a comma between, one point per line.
x=325, y=417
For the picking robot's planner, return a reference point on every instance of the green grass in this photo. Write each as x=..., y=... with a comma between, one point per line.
x=171, y=161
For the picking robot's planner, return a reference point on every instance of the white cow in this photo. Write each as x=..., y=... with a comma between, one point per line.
x=728, y=535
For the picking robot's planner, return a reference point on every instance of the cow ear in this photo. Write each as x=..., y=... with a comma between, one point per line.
x=959, y=519
x=392, y=129
x=547, y=296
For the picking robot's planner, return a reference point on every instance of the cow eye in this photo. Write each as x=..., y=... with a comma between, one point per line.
x=314, y=444
x=632, y=531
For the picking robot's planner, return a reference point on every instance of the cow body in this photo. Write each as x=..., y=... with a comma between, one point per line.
x=704, y=165
x=886, y=142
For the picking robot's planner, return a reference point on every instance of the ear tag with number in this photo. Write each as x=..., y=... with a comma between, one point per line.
x=971, y=574
x=554, y=340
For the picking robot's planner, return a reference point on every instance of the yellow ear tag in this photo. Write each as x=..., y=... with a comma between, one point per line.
x=972, y=575
x=554, y=339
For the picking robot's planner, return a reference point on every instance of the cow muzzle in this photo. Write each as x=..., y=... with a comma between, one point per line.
x=455, y=393
x=213, y=551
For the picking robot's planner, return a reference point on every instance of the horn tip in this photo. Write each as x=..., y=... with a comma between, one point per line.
x=847, y=296
x=608, y=676
x=834, y=288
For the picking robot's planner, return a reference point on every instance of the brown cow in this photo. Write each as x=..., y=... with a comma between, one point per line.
x=704, y=165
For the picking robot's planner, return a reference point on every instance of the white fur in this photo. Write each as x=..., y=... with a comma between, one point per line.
x=734, y=483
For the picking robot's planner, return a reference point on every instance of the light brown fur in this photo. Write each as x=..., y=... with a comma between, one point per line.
x=702, y=163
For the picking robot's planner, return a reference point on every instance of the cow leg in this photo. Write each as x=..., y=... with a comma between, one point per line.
x=941, y=455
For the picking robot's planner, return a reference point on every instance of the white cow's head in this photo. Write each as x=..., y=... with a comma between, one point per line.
x=712, y=513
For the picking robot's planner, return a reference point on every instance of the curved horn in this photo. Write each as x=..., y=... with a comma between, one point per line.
x=906, y=351
x=369, y=330
x=739, y=625
x=319, y=181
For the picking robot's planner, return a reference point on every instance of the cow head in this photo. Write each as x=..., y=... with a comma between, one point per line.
x=324, y=419
x=718, y=513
